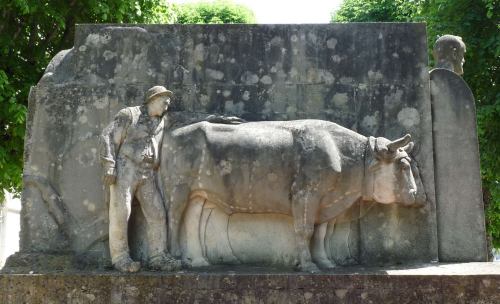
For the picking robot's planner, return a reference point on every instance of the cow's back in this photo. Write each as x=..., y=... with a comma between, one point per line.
x=251, y=167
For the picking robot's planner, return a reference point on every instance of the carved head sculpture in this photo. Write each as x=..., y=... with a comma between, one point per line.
x=389, y=176
x=449, y=53
x=157, y=100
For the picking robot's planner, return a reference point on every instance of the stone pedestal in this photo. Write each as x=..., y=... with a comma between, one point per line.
x=436, y=283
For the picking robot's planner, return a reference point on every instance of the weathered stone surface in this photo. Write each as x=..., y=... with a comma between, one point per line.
x=460, y=209
x=371, y=78
x=460, y=283
x=311, y=170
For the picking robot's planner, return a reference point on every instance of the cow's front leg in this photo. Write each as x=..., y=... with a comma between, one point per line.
x=319, y=252
x=193, y=256
x=176, y=206
x=304, y=212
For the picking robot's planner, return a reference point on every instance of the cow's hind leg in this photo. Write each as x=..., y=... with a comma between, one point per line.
x=304, y=207
x=193, y=256
x=318, y=251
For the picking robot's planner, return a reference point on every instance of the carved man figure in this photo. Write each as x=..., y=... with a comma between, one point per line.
x=449, y=53
x=130, y=157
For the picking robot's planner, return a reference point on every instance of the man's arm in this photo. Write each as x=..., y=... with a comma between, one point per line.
x=110, y=140
x=231, y=120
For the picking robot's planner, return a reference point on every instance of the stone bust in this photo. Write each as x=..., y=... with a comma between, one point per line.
x=449, y=51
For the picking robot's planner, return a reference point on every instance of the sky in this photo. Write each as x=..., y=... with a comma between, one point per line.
x=283, y=11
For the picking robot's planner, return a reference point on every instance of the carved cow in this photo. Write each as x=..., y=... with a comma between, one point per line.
x=312, y=170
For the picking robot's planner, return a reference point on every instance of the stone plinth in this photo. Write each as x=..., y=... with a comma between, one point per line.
x=437, y=283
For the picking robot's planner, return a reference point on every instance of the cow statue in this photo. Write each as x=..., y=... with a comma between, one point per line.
x=312, y=170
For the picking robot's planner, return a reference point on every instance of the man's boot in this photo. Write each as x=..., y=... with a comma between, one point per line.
x=164, y=262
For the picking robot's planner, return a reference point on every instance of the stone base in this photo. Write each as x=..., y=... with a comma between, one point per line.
x=455, y=283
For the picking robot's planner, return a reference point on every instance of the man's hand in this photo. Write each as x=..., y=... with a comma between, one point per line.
x=110, y=176
x=232, y=120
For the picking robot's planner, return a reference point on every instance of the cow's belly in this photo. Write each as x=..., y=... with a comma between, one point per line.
x=248, y=171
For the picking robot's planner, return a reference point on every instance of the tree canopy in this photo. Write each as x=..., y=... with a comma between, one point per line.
x=477, y=22
x=213, y=12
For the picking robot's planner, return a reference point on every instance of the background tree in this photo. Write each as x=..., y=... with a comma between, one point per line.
x=213, y=12
x=477, y=22
x=376, y=11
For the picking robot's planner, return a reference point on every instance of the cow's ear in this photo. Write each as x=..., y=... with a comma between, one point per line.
x=409, y=147
x=398, y=143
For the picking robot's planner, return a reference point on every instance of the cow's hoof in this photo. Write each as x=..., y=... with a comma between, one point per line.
x=196, y=262
x=126, y=264
x=325, y=264
x=309, y=267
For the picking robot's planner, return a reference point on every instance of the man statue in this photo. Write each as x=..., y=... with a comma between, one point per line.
x=449, y=53
x=130, y=148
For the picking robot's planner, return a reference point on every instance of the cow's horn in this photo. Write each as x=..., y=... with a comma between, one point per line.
x=398, y=143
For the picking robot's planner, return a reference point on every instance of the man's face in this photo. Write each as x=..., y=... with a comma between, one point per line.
x=458, y=64
x=158, y=106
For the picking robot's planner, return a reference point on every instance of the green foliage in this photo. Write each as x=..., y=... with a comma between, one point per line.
x=376, y=11
x=477, y=22
x=31, y=33
x=213, y=12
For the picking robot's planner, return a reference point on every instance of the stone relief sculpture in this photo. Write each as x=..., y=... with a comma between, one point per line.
x=311, y=170
x=83, y=88
x=130, y=157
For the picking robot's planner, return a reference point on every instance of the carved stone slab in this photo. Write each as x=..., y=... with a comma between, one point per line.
x=460, y=209
x=371, y=78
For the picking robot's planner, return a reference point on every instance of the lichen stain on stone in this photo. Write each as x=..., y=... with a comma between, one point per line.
x=204, y=99
x=266, y=79
x=312, y=37
x=407, y=49
x=293, y=72
x=215, y=74
x=375, y=75
x=96, y=40
x=340, y=99
x=346, y=80
x=101, y=103
x=249, y=78
x=246, y=95
x=370, y=123
x=331, y=43
x=393, y=100
x=199, y=53
x=409, y=117
x=336, y=58
x=108, y=55
x=82, y=119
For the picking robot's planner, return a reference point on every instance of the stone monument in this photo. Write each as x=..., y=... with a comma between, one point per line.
x=460, y=209
x=342, y=131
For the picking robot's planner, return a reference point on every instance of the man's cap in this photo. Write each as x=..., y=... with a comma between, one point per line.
x=157, y=91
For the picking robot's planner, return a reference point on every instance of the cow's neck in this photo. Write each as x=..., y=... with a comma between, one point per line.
x=368, y=181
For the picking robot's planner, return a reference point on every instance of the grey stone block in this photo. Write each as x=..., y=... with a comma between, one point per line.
x=459, y=198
